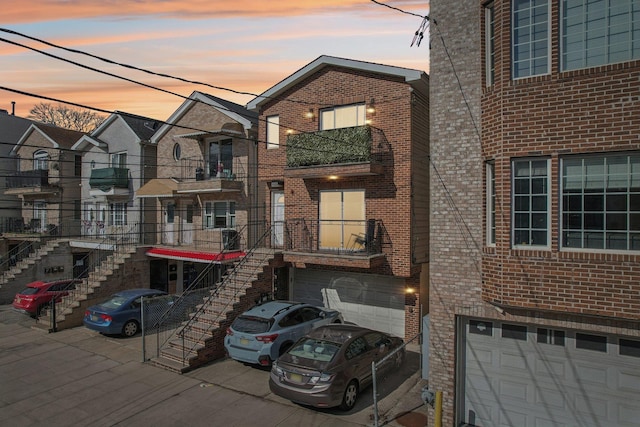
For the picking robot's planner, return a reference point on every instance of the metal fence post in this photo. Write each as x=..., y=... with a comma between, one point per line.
x=375, y=394
x=144, y=354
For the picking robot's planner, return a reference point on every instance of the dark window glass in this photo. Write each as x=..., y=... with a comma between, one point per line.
x=516, y=332
x=480, y=327
x=591, y=342
x=550, y=336
x=77, y=165
x=629, y=348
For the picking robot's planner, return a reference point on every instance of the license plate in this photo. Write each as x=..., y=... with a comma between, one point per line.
x=94, y=317
x=296, y=378
x=244, y=341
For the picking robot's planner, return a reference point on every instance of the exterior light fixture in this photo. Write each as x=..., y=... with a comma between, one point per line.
x=289, y=131
x=309, y=114
x=409, y=290
x=333, y=177
x=371, y=107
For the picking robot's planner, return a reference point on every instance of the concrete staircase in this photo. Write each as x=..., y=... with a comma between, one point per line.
x=26, y=263
x=95, y=288
x=202, y=337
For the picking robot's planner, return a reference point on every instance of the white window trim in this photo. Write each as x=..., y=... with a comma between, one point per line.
x=230, y=219
x=489, y=37
x=514, y=245
x=490, y=204
x=118, y=155
x=41, y=160
x=362, y=117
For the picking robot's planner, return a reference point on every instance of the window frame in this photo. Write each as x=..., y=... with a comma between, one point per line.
x=273, y=131
x=588, y=191
x=491, y=204
x=210, y=218
x=41, y=160
x=489, y=38
x=531, y=212
x=118, y=213
x=585, y=30
x=530, y=43
x=361, y=116
x=118, y=160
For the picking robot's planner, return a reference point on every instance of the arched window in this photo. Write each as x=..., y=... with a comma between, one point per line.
x=40, y=160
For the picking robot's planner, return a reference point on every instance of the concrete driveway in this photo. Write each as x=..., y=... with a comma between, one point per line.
x=79, y=377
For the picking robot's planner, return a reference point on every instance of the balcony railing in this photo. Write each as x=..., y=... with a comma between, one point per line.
x=109, y=177
x=358, y=238
x=33, y=178
x=336, y=146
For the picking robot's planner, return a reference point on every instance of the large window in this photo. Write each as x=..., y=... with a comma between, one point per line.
x=491, y=204
x=273, y=132
x=119, y=160
x=531, y=202
x=41, y=160
x=343, y=117
x=598, y=32
x=219, y=215
x=118, y=214
x=342, y=219
x=530, y=38
x=490, y=49
x=221, y=158
x=601, y=202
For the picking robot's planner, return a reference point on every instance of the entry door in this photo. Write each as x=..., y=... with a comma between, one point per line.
x=88, y=224
x=39, y=216
x=169, y=219
x=277, y=218
x=101, y=219
x=187, y=225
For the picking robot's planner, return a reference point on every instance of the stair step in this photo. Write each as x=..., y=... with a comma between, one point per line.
x=176, y=354
x=169, y=364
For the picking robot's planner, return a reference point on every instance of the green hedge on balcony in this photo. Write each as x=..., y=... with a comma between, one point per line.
x=346, y=145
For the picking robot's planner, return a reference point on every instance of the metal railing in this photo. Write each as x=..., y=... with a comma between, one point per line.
x=358, y=238
x=98, y=262
x=193, y=301
x=31, y=178
x=24, y=250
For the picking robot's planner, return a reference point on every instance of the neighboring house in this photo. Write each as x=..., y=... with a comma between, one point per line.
x=343, y=170
x=11, y=129
x=48, y=179
x=118, y=159
x=535, y=202
x=206, y=188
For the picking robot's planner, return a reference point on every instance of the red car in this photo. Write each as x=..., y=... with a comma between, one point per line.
x=32, y=299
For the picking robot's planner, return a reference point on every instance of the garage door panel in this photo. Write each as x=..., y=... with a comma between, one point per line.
x=517, y=380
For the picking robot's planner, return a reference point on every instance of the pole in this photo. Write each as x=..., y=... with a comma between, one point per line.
x=438, y=420
x=375, y=394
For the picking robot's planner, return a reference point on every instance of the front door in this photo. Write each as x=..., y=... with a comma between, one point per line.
x=39, y=222
x=187, y=225
x=277, y=218
x=169, y=219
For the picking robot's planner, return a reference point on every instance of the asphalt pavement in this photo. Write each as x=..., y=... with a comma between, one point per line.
x=77, y=377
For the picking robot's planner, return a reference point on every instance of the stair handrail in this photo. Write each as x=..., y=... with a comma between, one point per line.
x=213, y=290
x=109, y=247
x=26, y=248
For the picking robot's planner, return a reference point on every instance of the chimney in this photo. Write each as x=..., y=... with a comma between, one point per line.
x=13, y=108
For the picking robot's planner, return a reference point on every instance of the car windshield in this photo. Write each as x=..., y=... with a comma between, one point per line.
x=29, y=291
x=251, y=325
x=114, y=302
x=313, y=349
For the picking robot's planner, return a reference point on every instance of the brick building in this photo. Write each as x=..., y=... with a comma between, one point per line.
x=535, y=212
x=342, y=168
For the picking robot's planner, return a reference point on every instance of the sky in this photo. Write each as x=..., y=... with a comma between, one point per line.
x=243, y=45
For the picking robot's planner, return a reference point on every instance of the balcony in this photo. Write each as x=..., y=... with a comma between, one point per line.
x=34, y=182
x=109, y=182
x=354, y=151
x=357, y=244
x=196, y=179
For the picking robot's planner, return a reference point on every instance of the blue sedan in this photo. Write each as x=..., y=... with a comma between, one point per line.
x=121, y=314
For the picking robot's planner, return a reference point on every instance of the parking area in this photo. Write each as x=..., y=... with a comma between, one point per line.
x=79, y=377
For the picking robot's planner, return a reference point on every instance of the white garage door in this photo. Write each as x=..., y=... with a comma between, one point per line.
x=531, y=376
x=369, y=300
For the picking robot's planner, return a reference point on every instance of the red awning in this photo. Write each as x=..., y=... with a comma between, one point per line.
x=194, y=256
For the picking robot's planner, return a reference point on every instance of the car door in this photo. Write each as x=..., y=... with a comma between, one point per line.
x=359, y=357
x=292, y=326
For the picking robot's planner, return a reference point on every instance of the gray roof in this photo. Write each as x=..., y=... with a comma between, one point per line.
x=11, y=130
x=236, y=108
x=143, y=127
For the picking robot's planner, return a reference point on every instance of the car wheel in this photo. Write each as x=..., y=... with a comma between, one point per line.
x=350, y=396
x=130, y=328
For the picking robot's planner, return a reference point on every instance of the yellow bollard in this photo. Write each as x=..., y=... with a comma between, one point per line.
x=438, y=408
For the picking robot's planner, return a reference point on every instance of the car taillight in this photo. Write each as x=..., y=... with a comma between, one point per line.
x=106, y=317
x=229, y=332
x=87, y=313
x=267, y=338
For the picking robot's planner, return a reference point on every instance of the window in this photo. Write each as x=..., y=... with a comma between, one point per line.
x=220, y=158
x=39, y=215
x=177, y=152
x=171, y=213
x=41, y=160
x=629, y=347
x=118, y=214
x=490, y=48
x=219, y=215
x=343, y=117
x=119, y=160
x=600, y=203
x=530, y=38
x=599, y=32
x=481, y=327
x=77, y=165
x=77, y=209
x=491, y=204
x=273, y=132
x=342, y=218
x=530, y=202
x=515, y=332
x=591, y=342
x=550, y=336
x=356, y=348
